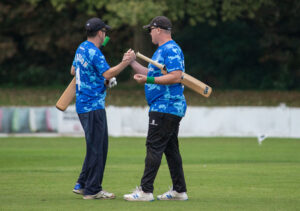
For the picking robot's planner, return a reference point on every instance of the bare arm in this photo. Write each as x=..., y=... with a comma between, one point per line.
x=114, y=71
x=72, y=70
x=111, y=72
x=170, y=78
x=138, y=68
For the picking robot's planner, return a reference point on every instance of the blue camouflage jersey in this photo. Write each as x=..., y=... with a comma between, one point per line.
x=90, y=64
x=166, y=98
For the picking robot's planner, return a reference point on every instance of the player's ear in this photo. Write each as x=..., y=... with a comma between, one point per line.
x=99, y=33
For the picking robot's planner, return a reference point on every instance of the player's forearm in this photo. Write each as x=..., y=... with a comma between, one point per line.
x=114, y=71
x=170, y=78
x=138, y=68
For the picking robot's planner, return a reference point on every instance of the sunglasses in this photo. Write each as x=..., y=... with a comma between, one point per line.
x=150, y=29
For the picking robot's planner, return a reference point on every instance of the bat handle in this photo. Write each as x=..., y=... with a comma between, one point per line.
x=145, y=58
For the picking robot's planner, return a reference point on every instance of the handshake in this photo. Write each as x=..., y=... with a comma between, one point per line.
x=129, y=56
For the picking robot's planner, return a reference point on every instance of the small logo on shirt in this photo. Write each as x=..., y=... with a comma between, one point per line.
x=153, y=122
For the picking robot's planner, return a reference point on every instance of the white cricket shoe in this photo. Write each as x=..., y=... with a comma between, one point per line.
x=78, y=189
x=100, y=195
x=139, y=195
x=173, y=195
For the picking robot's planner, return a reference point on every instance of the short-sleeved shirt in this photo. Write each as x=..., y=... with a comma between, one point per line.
x=166, y=98
x=90, y=64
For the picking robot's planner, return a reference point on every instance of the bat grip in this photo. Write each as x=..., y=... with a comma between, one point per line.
x=106, y=39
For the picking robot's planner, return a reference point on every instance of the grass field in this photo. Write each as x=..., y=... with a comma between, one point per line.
x=221, y=174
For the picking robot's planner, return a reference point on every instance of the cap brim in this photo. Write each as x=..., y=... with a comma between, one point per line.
x=147, y=26
x=107, y=27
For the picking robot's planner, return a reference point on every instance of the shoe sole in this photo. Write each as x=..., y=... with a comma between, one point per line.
x=137, y=200
x=172, y=199
x=77, y=192
x=101, y=198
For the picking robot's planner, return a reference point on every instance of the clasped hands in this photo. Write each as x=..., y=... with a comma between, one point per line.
x=129, y=57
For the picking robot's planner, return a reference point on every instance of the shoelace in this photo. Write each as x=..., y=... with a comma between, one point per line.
x=169, y=192
x=106, y=193
x=137, y=189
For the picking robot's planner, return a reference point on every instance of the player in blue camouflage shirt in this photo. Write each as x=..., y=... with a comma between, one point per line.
x=92, y=70
x=164, y=94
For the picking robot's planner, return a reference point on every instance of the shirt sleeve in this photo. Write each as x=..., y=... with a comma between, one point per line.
x=100, y=63
x=174, y=60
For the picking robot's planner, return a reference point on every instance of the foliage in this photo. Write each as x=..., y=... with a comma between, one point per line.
x=246, y=44
x=280, y=39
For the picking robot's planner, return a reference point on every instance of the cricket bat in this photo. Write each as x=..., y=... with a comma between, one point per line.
x=186, y=79
x=70, y=92
x=67, y=96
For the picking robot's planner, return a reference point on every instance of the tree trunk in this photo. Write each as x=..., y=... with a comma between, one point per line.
x=142, y=43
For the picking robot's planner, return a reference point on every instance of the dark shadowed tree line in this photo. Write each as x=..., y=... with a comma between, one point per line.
x=231, y=44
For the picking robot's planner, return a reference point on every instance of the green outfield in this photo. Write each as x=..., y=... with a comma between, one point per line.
x=221, y=174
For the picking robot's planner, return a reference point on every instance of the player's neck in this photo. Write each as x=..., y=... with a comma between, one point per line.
x=163, y=40
x=95, y=41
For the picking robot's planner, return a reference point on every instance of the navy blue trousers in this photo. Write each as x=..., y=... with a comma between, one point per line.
x=95, y=128
x=162, y=139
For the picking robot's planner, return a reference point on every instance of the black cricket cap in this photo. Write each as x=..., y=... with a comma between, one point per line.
x=160, y=22
x=95, y=24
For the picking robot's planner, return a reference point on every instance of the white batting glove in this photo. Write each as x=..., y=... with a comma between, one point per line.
x=111, y=82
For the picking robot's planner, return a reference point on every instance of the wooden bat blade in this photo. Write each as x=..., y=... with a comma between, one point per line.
x=187, y=80
x=196, y=85
x=67, y=97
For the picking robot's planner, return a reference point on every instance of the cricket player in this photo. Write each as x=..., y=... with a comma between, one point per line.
x=91, y=70
x=164, y=94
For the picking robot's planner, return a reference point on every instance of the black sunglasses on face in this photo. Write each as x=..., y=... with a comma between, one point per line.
x=150, y=29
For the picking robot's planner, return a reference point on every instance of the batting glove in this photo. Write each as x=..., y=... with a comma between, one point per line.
x=111, y=82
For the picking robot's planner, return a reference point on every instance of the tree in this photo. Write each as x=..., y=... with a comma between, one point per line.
x=39, y=37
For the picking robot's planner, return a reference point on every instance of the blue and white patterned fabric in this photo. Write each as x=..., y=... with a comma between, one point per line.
x=166, y=98
x=90, y=64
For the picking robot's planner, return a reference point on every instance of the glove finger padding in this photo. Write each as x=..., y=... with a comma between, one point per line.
x=111, y=82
